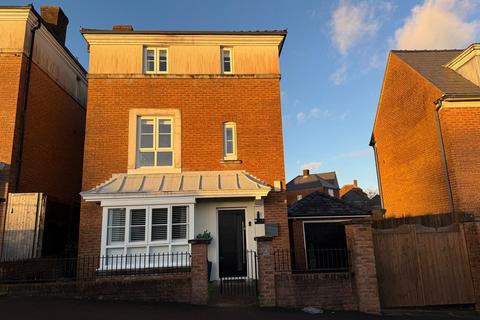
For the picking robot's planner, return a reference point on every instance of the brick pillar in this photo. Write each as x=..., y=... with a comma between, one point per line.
x=472, y=238
x=360, y=244
x=199, y=273
x=266, y=272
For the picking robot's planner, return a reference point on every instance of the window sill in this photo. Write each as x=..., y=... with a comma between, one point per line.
x=227, y=161
x=153, y=170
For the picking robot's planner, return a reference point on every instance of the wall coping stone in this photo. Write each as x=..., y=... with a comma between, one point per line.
x=199, y=241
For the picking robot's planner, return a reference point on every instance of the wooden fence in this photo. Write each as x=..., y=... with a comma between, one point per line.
x=420, y=265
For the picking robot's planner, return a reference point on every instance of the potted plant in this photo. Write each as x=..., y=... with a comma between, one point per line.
x=206, y=235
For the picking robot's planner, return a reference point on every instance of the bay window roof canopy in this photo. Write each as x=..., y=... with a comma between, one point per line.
x=193, y=184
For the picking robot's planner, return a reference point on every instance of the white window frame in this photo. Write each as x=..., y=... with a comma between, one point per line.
x=233, y=155
x=156, y=60
x=223, y=49
x=156, y=148
x=147, y=244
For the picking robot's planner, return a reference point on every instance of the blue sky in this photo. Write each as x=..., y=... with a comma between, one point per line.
x=332, y=63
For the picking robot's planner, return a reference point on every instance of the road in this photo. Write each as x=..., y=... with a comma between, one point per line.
x=51, y=309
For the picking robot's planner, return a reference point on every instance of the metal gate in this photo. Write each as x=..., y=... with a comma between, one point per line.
x=242, y=285
x=423, y=266
x=23, y=231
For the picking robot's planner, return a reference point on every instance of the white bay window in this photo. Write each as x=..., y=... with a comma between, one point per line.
x=148, y=236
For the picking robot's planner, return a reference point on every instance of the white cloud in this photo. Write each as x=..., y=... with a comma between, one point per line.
x=301, y=116
x=340, y=75
x=319, y=113
x=353, y=22
x=439, y=24
x=376, y=61
x=314, y=165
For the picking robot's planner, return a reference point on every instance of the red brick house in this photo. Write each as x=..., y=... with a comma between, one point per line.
x=426, y=134
x=176, y=124
x=304, y=184
x=42, y=115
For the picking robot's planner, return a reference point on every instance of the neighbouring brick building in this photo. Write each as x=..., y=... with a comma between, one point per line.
x=183, y=135
x=426, y=134
x=307, y=183
x=317, y=232
x=354, y=195
x=42, y=115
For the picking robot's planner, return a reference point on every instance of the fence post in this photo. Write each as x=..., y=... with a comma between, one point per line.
x=266, y=272
x=472, y=238
x=360, y=244
x=199, y=271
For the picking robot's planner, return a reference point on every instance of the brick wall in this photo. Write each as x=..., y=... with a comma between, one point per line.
x=409, y=154
x=53, y=147
x=171, y=288
x=12, y=67
x=254, y=104
x=325, y=290
x=461, y=134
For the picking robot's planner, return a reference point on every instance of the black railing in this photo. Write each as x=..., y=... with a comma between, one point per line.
x=84, y=268
x=315, y=260
x=243, y=284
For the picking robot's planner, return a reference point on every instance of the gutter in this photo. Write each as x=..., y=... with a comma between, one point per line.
x=438, y=106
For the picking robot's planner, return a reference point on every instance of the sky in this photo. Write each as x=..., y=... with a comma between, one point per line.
x=332, y=63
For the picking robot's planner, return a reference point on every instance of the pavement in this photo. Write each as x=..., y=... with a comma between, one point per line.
x=50, y=308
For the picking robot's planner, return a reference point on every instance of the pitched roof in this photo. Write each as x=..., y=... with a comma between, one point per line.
x=320, y=204
x=325, y=179
x=194, y=183
x=355, y=194
x=431, y=65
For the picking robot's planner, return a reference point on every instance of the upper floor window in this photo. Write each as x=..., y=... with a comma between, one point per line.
x=331, y=193
x=156, y=60
x=230, y=140
x=227, y=60
x=155, y=142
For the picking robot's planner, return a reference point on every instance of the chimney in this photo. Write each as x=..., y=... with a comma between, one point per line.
x=122, y=27
x=56, y=21
x=306, y=172
x=355, y=183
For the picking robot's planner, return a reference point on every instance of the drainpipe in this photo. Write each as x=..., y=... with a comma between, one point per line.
x=438, y=106
x=24, y=118
x=373, y=144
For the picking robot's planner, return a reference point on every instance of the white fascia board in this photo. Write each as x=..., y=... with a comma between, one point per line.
x=143, y=198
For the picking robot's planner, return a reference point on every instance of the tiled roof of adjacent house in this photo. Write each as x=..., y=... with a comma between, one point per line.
x=354, y=194
x=194, y=183
x=320, y=204
x=431, y=65
x=314, y=180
